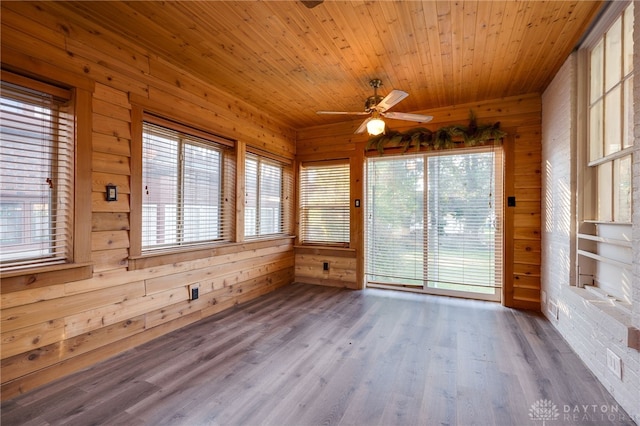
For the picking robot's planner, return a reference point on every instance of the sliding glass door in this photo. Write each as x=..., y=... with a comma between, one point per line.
x=434, y=222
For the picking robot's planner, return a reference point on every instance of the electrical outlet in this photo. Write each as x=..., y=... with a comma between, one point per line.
x=552, y=308
x=543, y=295
x=614, y=363
x=325, y=266
x=194, y=291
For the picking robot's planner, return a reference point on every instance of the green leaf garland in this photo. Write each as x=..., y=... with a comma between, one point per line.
x=444, y=137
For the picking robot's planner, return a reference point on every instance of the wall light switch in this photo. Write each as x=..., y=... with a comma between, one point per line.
x=112, y=193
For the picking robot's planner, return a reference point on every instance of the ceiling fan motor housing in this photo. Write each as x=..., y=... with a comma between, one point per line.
x=371, y=102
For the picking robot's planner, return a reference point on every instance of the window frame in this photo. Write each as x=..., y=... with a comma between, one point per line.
x=286, y=178
x=142, y=107
x=78, y=264
x=201, y=248
x=595, y=248
x=495, y=194
x=587, y=166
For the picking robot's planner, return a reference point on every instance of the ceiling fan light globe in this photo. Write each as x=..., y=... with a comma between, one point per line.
x=375, y=126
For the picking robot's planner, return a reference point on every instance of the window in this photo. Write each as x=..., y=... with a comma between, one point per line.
x=266, y=183
x=610, y=136
x=188, y=195
x=324, y=203
x=604, y=238
x=433, y=223
x=37, y=174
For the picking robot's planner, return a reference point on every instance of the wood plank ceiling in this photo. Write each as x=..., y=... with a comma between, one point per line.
x=291, y=60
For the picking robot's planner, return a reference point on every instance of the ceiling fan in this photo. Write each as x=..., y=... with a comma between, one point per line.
x=377, y=107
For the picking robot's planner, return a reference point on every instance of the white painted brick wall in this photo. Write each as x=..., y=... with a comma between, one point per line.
x=587, y=330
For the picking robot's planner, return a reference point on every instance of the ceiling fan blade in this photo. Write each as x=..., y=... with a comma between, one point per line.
x=341, y=113
x=408, y=117
x=363, y=126
x=391, y=99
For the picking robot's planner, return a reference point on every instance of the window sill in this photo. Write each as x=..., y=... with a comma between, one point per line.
x=36, y=277
x=165, y=257
x=618, y=312
x=327, y=250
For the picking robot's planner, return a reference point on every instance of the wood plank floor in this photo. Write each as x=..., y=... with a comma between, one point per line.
x=311, y=355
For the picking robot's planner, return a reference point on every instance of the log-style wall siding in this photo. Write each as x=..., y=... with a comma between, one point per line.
x=520, y=117
x=52, y=327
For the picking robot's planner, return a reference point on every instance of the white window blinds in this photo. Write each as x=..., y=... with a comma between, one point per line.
x=185, y=194
x=36, y=170
x=267, y=184
x=433, y=222
x=324, y=203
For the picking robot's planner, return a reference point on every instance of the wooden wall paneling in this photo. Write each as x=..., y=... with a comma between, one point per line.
x=217, y=255
x=42, y=311
x=225, y=122
x=118, y=48
x=15, y=60
x=175, y=311
x=238, y=294
x=343, y=266
x=83, y=113
x=111, y=126
x=108, y=279
x=110, y=144
x=45, y=356
x=529, y=282
x=236, y=267
x=31, y=295
x=35, y=61
x=101, y=179
x=309, y=268
x=32, y=337
x=260, y=271
x=14, y=26
x=106, y=240
x=95, y=319
x=111, y=110
x=108, y=260
x=526, y=270
x=356, y=223
x=169, y=84
x=18, y=282
x=509, y=220
x=100, y=204
x=135, y=195
x=112, y=97
x=526, y=298
x=123, y=62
